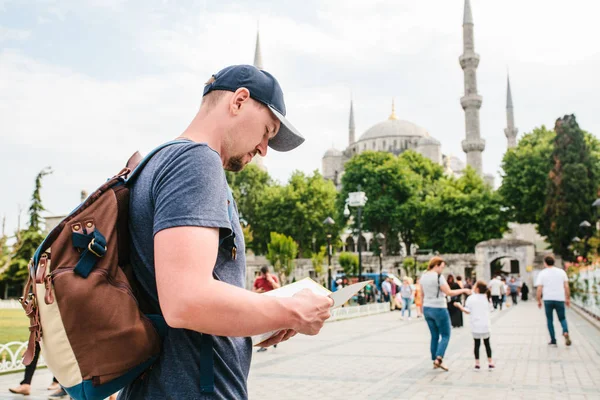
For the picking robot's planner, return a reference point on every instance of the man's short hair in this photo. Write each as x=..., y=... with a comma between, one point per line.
x=213, y=98
x=264, y=269
x=481, y=287
x=549, y=260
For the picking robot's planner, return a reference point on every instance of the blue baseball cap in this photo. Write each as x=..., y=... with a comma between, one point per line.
x=263, y=87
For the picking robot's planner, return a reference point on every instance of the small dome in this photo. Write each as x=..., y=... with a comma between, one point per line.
x=429, y=141
x=333, y=152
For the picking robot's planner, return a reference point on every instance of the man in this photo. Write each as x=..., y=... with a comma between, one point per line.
x=265, y=282
x=386, y=289
x=187, y=246
x=514, y=289
x=553, y=286
x=496, y=289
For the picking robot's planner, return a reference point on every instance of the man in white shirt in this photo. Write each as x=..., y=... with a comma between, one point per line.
x=496, y=290
x=553, y=285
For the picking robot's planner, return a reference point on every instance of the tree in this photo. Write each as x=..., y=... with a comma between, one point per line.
x=282, y=251
x=248, y=187
x=317, y=260
x=297, y=210
x=27, y=240
x=572, y=187
x=526, y=170
x=461, y=213
x=525, y=176
x=349, y=263
x=388, y=183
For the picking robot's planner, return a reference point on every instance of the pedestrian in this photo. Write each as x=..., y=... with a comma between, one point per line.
x=456, y=318
x=419, y=298
x=386, y=289
x=24, y=387
x=524, y=292
x=478, y=307
x=407, y=293
x=496, y=288
x=553, y=286
x=188, y=251
x=504, y=290
x=435, y=309
x=513, y=289
x=265, y=282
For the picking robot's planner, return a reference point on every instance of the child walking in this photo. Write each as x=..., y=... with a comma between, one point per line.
x=478, y=306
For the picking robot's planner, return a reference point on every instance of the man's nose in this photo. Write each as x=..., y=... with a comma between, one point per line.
x=263, y=146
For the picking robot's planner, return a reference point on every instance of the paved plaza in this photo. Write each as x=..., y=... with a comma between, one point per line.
x=382, y=357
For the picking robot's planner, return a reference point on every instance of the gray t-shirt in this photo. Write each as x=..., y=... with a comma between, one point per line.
x=185, y=185
x=432, y=294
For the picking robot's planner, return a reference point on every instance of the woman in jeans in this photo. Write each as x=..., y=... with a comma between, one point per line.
x=435, y=308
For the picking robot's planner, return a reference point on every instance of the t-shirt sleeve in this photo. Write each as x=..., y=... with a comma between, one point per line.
x=191, y=190
x=443, y=280
x=468, y=303
x=538, y=280
x=564, y=276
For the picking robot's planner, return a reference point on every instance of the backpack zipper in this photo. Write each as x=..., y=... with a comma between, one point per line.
x=49, y=297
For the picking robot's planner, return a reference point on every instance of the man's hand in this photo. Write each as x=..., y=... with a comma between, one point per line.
x=311, y=311
x=568, y=302
x=539, y=304
x=281, y=336
x=467, y=292
x=260, y=290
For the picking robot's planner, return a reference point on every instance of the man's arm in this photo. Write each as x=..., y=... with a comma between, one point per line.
x=539, y=296
x=274, y=282
x=567, y=294
x=191, y=298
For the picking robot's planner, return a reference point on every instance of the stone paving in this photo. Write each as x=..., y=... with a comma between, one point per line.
x=382, y=357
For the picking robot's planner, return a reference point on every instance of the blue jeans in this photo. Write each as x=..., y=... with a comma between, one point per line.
x=406, y=303
x=559, y=306
x=438, y=321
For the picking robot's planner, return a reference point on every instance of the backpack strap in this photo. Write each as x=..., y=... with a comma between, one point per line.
x=139, y=163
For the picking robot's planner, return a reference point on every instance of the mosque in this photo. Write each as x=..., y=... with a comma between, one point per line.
x=395, y=135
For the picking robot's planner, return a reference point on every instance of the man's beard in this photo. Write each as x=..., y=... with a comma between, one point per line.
x=235, y=164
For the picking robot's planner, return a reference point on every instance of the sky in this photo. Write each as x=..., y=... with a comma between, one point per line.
x=85, y=83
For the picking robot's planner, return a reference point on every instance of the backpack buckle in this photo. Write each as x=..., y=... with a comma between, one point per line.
x=96, y=249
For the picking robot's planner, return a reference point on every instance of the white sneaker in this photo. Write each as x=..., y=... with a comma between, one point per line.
x=409, y=318
x=401, y=318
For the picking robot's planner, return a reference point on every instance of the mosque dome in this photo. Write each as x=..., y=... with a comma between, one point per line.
x=429, y=141
x=393, y=127
x=333, y=152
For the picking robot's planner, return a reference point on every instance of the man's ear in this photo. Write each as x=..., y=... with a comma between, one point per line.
x=240, y=98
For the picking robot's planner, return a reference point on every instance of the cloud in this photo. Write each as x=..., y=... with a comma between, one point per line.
x=57, y=112
x=8, y=34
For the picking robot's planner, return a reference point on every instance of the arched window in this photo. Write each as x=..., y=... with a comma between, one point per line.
x=374, y=145
x=395, y=144
x=364, y=146
x=384, y=145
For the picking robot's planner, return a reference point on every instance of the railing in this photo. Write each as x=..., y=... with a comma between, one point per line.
x=358, y=311
x=585, y=290
x=10, y=304
x=12, y=354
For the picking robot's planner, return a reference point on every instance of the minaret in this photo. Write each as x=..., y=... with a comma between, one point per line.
x=473, y=145
x=351, y=125
x=258, y=160
x=510, y=131
x=257, y=53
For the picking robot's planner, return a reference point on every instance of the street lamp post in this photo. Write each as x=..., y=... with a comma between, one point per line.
x=329, y=221
x=380, y=239
x=357, y=199
x=585, y=227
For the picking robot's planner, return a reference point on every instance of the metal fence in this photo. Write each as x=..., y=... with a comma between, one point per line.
x=585, y=290
x=12, y=354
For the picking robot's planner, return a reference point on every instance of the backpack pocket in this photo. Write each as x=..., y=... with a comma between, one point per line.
x=107, y=332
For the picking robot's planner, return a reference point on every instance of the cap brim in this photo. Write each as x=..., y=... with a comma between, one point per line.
x=288, y=137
